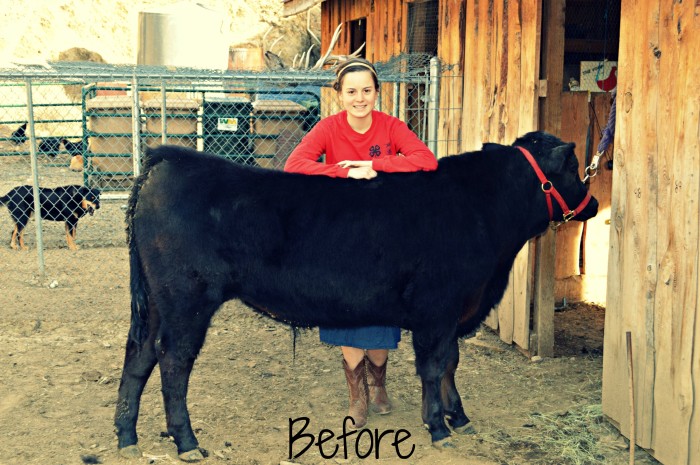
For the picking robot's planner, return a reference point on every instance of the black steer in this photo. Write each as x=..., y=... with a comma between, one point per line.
x=426, y=251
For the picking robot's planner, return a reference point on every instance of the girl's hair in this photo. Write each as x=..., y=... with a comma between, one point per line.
x=351, y=66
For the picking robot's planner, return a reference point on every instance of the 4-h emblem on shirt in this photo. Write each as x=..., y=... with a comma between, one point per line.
x=375, y=151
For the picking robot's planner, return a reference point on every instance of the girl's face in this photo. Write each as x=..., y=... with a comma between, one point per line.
x=358, y=94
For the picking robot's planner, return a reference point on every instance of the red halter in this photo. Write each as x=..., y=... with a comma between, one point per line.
x=550, y=191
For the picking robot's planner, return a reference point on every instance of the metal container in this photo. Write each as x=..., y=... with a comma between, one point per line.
x=185, y=34
x=226, y=127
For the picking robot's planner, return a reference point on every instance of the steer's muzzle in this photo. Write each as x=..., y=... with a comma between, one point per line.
x=589, y=211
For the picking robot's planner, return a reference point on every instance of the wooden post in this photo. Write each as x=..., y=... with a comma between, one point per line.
x=544, y=293
x=551, y=73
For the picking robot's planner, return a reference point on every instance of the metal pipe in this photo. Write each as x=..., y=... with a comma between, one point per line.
x=136, y=127
x=433, y=104
x=163, y=121
x=35, y=178
x=395, y=112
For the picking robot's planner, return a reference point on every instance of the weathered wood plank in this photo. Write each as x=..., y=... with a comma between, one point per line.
x=525, y=275
x=552, y=68
x=619, y=298
x=655, y=199
x=544, y=294
x=470, y=43
x=676, y=296
x=513, y=127
x=642, y=274
x=572, y=128
x=667, y=249
x=451, y=54
x=531, y=18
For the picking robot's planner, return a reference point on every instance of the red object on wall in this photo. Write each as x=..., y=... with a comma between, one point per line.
x=610, y=82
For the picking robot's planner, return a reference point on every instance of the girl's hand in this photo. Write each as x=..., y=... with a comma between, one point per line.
x=355, y=163
x=362, y=172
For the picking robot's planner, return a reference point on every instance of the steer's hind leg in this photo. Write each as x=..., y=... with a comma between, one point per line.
x=431, y=361
x=181, y=339
x=138, y=365
x=452, y=403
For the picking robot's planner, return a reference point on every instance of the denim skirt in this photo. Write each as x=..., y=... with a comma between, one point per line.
x=366, y=337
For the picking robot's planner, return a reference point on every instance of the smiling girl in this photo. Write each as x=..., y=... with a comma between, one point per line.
x=357, y=142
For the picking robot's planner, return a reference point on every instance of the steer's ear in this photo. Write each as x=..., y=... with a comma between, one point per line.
x=556, y=160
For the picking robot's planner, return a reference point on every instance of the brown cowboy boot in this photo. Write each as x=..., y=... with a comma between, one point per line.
x=376, y=379
x=357, y=385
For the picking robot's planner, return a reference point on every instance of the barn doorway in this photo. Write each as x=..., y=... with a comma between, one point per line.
x=579, y=63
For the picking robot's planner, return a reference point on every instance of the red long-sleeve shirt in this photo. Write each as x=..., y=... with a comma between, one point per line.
x=389, y=143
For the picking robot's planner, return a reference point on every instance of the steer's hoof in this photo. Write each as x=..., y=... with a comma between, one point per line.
x=464, y=429
x=445, y=443
x=130, y=452
x=194, y=455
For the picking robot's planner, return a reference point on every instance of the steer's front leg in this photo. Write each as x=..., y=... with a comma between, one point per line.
x=431, y=360
x=432, y=412
x=451, y=402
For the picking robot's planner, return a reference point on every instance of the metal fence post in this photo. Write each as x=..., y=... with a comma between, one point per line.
x=35, y=177
x=163, y=120
x=433, y=104
x=396, y=100
x=136, y=127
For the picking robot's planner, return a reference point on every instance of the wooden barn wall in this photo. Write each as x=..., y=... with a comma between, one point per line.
x=500, y=96
x=451, y=54
x=653, y=262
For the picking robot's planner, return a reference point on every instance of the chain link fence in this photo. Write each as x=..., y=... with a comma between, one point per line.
x=87, y=125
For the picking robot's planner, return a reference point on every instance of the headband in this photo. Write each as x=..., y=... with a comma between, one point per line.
x=359, y=63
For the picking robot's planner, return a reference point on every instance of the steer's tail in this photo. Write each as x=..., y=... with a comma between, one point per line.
x=139, y=298
x=137, y=283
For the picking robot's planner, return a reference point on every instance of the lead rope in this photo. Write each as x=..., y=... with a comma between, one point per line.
x=605, y=141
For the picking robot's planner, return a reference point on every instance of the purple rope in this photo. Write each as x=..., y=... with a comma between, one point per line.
x=609, y=131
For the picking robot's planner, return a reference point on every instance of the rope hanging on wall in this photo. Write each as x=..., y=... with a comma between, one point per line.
x=609, y=131
x=606, y=138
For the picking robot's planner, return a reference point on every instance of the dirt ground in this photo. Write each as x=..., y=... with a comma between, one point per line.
x=61, y=350
x=62, y=339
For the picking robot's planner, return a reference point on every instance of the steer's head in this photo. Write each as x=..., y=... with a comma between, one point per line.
x=560, y=166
